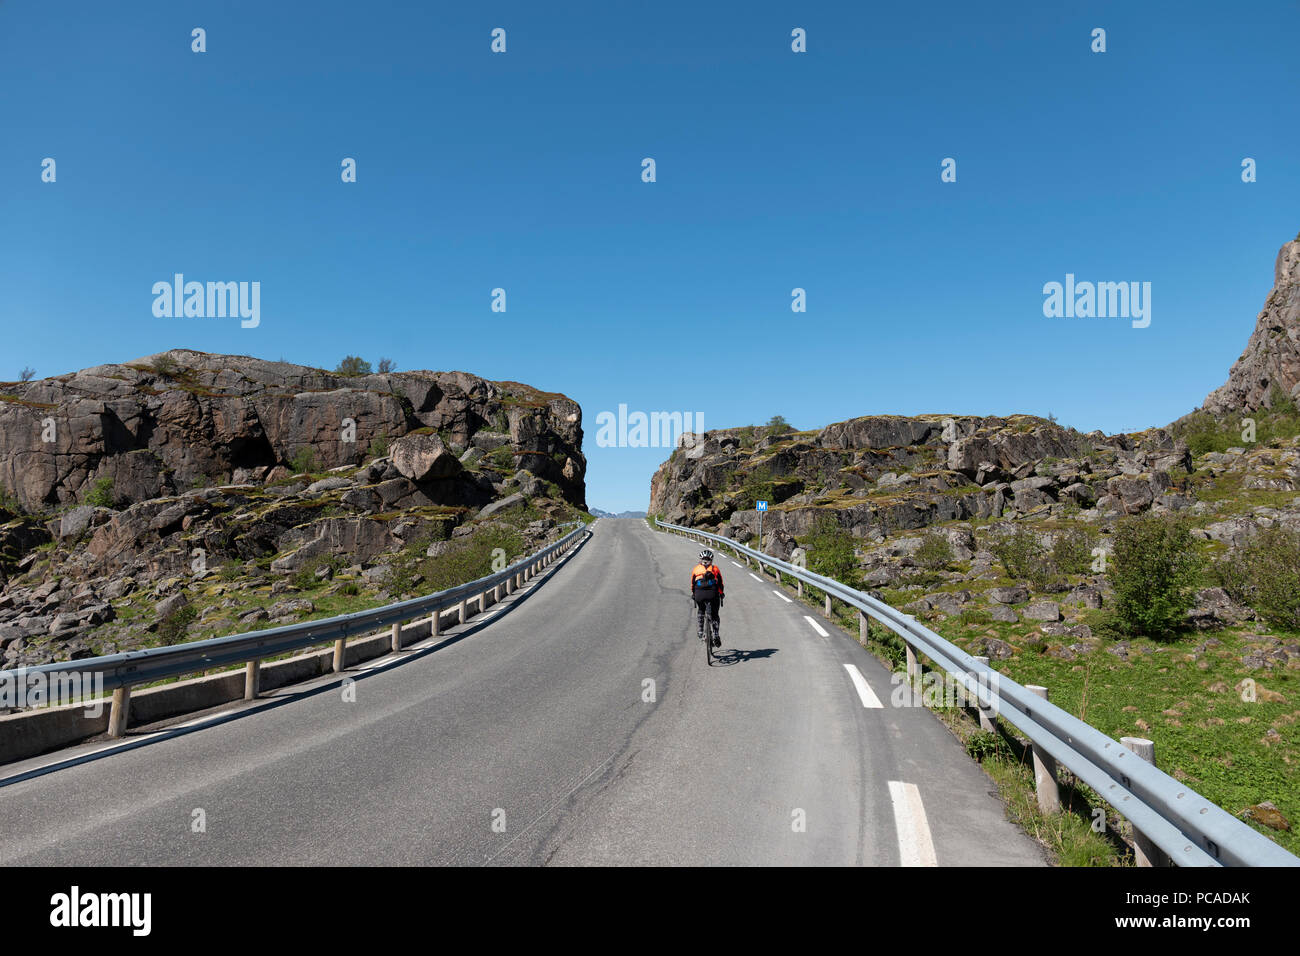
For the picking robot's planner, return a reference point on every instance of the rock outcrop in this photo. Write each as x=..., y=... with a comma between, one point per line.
x=882, y=475
x=1272, y=356
x=240, y=488
x=166, y=423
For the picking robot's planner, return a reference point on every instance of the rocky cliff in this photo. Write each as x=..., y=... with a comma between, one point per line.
x=1270, y=364
x=882, y=475
x=164, y=423
x=188, y=495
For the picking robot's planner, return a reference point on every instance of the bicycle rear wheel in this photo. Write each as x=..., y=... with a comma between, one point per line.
x=708, y=640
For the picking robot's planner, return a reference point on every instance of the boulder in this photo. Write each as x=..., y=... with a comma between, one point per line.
x=423, y=457
x=1012, y=595
x=1042, y=611
x=503, y=504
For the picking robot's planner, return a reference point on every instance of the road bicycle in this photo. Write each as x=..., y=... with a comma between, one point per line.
x=708, y=631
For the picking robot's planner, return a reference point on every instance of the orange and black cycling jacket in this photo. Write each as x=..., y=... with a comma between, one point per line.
x=700, y=570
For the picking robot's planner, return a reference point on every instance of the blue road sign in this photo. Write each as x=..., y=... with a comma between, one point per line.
x=762, y=506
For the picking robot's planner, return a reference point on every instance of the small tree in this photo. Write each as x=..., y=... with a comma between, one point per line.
x=1072, y=550
x=165, y=366
x=1022, y=556
x=830, y=550
x=1154, y=568
x=757, y=487
x=100, y=494
x=386, y=365
x=1265, y=574
x=353, y=365
x=304, y=461
x=777, y=425
x=27, y=373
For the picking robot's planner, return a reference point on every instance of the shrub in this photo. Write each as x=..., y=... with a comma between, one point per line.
x=386, y=365
x=1072, y=550
x=26, y=374
x=353, y=365
x=100, y=494
x=1265, y=574
x=1024, y=558
x=830, y=550
x=503, y=459
x=379, y=445
x=172, y=628
x=166, y=366
x=304, y=461
x=935, y=553
x=1153, y=568
x=757, y=486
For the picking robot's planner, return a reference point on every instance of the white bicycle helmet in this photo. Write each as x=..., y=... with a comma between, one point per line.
x=706, y=556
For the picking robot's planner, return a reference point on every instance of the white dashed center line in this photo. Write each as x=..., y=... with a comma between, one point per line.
x=782, y=596
x=755, y=576
x=915, y=847
x=815, y=626
x=733, y=562
x=868, y=696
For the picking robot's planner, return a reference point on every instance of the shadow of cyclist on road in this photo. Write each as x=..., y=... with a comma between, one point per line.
x=724, y=656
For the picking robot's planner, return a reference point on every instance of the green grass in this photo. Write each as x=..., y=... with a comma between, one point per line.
x=1214, y=741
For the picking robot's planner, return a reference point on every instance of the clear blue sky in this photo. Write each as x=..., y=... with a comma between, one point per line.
x=775, y=170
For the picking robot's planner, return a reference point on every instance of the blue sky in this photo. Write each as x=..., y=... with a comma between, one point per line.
x=775, y=170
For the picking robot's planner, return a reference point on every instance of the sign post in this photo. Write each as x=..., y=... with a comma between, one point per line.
x=762, y=508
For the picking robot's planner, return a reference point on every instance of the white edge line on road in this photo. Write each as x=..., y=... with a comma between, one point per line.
x=782, y=596
x=869, y=698
x=815, y=626
x=733, y=562
x=755, y=576
x=915, y=848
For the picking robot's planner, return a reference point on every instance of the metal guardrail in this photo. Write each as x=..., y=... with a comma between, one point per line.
x=1187, y=827
x=119, y=672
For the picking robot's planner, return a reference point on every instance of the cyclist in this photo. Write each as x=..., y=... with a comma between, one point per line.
x=706, y=592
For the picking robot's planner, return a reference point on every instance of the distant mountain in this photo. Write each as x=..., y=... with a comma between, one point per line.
x=622, y=514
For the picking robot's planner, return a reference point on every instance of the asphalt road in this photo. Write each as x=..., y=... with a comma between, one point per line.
x=578, y=725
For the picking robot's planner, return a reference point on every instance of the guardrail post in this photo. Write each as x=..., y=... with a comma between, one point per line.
x=1049, y=791
x=397, y=635
x=799, y=584
x=120, y=714
x=913, y=665
x=339, y=646
x=1145, y=853
x=464, y=611
x=987, y=722
x=828, y=605
x=864, y=627
x=435, y=622
x=252, y=680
